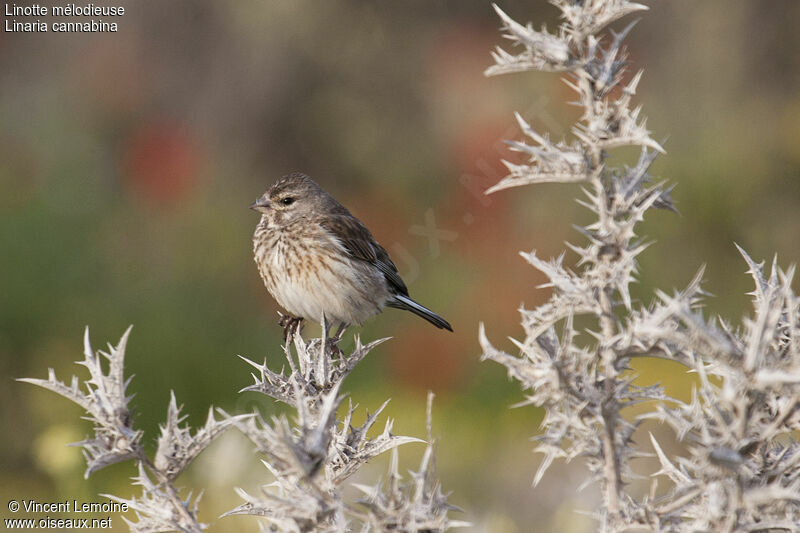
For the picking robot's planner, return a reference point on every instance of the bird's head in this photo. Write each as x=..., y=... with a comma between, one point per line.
x=292, y=197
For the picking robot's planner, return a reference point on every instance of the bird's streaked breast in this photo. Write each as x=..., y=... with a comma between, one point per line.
x=307, y=272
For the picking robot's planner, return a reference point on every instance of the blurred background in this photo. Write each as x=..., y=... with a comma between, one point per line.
x=128, y=160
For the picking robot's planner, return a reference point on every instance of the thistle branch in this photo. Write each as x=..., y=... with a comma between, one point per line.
x=740, y=475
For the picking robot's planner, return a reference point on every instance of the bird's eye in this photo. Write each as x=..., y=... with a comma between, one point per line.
x=287, y=201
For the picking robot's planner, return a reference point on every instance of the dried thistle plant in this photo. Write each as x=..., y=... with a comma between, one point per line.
x=310, y=459
x=742, y=471
x=107, y=404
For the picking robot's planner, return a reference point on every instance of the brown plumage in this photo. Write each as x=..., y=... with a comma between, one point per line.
x=315, y=257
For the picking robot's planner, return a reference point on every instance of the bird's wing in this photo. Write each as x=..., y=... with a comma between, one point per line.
x=360, y=244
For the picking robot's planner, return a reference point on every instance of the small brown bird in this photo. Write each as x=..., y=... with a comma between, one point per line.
x=315, y=257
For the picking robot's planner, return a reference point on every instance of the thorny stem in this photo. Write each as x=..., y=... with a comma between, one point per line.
x=610, y=408
x=610, y=411
x=174, y=498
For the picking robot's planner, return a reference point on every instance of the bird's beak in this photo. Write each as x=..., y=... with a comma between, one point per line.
x=262, y=204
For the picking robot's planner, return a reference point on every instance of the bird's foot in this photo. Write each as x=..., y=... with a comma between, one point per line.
x=333, y=348
x=292, y=325
x=332, y=343
x=340, y=332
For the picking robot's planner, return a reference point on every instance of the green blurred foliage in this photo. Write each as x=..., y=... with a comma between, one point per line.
x=127, y=161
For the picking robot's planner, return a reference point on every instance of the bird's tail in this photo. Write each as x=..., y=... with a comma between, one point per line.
x=399, y=301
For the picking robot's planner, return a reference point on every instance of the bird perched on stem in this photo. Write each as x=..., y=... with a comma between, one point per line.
x=321, y=263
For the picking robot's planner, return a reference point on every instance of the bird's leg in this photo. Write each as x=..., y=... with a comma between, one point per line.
x=291, y=325
x=340, y=333
x=333, y=342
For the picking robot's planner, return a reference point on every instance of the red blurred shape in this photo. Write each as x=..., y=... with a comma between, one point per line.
x=480, y=149
x=160, y=161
